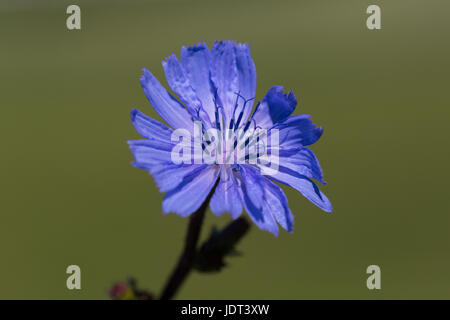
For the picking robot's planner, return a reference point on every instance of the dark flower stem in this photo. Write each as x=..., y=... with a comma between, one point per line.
x=187, y=258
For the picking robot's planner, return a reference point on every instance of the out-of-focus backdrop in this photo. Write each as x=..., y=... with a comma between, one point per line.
x=68, y=194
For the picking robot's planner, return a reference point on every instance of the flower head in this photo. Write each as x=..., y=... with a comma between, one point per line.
x=213, y=134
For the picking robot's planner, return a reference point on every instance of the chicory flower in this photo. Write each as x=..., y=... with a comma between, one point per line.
x=214, y=127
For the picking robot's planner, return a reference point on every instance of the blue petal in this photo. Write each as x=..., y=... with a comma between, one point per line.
x=196, y=63
x=252, y=195
x=150, y=128
x=247, y=78
x=150, y=152
x=165, y=104
x=296, y=131
x=224, y=75
x=155, y=157
x=304, y=185
x=180, y=84
x=168, y=176
x=274, y=107
x=226, y=197
x=187, y=197
x=301, y=160
x=154, y=154
x=234, y=76
x=276, y=204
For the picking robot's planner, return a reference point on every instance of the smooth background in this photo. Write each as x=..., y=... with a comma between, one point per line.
x=69, y=196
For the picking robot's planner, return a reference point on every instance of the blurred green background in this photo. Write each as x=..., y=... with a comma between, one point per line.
x=69, y=195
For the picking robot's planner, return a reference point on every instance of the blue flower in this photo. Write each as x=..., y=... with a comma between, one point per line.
x=217, y=89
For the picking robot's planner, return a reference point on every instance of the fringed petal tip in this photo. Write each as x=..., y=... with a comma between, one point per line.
x=233, y=43
x=133, y=113
x=144, y=73
x=201, y=45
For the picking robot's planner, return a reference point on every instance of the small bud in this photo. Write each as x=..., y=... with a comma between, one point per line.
x=129, y=291
x=121, y=291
